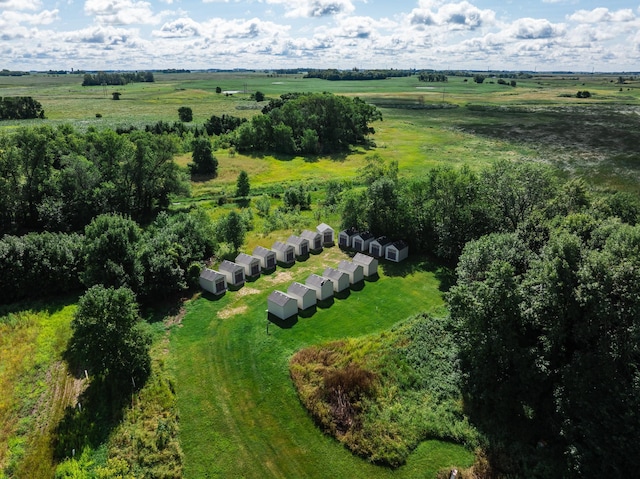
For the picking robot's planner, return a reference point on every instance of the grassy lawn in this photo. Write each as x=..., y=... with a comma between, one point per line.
x=240, y=415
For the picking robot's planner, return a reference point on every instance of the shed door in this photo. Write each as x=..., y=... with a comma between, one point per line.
x=289, y=256
x=255, y=269
x=238, y=277
x=375, y=250
x=271, y=262
x=391, y=254
x=343, y=240
x=219, y=286
x=328, y=237
x=303, y=249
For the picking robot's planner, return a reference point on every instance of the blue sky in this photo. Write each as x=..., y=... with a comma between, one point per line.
x=542, y=35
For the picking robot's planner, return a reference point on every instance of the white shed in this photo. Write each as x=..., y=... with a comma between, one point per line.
x=266, y=256
x=361, y=241
x=251, y=264
x=340, y=279
x=327, y=233
x=300, y=245
x=322, y=286
x=314, y=238
x=345, y=237
x=285, y=253
x=213, y=281
x=397, y=251
x=282, y=305
x=378, y=247
x=305, y=296
x=369, y=264
x=233, y=272
x=354, y=270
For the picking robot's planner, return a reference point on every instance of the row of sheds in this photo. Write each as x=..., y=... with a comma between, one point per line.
x=366, y=242
x=321, y=287
x=234, y=273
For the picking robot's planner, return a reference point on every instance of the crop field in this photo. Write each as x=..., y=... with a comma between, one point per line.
x=239, y=412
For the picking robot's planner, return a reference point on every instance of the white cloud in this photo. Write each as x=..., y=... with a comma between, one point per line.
x=314, y=8
x=454, y=16
x=20, y=4
x=602, y=15
x=181, y=28
x=532, y=28
x=121, y=12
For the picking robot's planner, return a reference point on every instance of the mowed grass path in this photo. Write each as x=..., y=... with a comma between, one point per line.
x=239, y=412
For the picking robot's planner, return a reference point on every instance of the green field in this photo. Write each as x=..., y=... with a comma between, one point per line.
x=239, y=413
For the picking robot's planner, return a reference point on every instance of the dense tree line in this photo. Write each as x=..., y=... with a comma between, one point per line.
x=334, y=74
x=120, y=78
x=20, y=108
x=59, y=179
x=432, y=77
x=309, y=123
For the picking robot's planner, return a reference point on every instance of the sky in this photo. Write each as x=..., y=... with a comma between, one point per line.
x=515, y=35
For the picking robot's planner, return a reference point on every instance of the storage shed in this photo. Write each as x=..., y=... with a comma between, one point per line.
x=354, y=270
x=361, y=241
x=397, y=251
x=300, y=245
x=213, y=281
x=305, y=296
x=251, y=264
x=345, y=237
x=285, y=253
x=369, y=264
x=233, y=272
x=378, y=247
x=322, y=286
x=282, y=305
x=266, y=257
x=340, y=279
x=327, y=233
x=314, y=238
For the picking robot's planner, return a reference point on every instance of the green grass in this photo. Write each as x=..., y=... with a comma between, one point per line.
x=240, y=415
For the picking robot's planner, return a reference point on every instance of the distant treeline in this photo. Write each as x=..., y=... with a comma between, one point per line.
x=9, y=73
x=20, y=108
x=121, y=78
x=432, y=77
x=356, y=74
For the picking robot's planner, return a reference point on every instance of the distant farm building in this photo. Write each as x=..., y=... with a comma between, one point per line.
x=266, y=257
x=346, y=236
x=282, y=305
x=300, y=245
x=340, y=279
x=369, y=264
x=322, y=286
x=233, y=272
x=354, y=270
x=378, y=247
x=285, y=253
x=251, y=264
x=327, y=233
x=361, y=241
x=213, y=281
x=305, y=296
x=314, y=238
x=397, y=251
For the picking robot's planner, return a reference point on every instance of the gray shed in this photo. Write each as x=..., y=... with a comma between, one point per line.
x=285, y=253
x=327, y=233
x=233, y=272
x=378, y=247
x=266, y=257
x=305, y=296
x=251, y=264
x=345, y=237
x=369, y=264
x=340, y=279
x=354, y=270
x=300, y=245
x=322, y=286
x=397, y=251
x=314, y=238
x=213, y=281
x=282, y=305
x=361, y=241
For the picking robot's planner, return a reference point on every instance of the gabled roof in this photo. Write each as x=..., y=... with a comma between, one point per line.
x=348, y=266
x=315, y=280
x=333, y=274
x=296, y=240
x=363, y=259
x=365, y=235
x=280, y=246
x=229, y=266
x=350, y=231
x=244, y=258
x=322, y=227
x=298, y=289
x=210, y=274
x=280, y=298
x=262, y=251
x=383, y=240
x=400, y=245
x=310, y=235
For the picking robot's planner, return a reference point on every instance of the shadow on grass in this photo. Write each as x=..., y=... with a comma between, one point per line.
x=307, y=313
x=374, y=278
x=212, y=297
x=302, y=258
x=359, y=286
x=288, y=323
x=326, y=303
x=344, y=294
